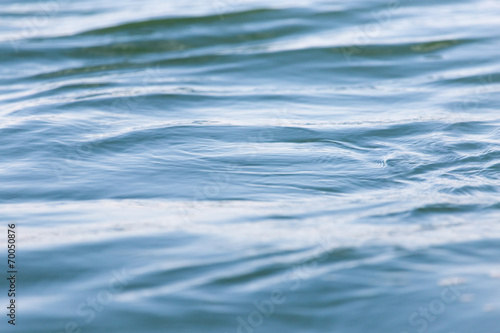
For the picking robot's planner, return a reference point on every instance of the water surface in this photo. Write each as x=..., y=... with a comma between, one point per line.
x=252, y=166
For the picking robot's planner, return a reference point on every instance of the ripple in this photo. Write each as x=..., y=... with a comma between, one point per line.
x=252, y=166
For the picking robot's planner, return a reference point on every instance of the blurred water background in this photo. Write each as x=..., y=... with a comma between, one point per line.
x=252, y=166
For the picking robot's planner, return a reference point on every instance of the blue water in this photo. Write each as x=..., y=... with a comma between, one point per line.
x=251, y=166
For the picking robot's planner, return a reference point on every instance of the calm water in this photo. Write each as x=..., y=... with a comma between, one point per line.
x=252, y=166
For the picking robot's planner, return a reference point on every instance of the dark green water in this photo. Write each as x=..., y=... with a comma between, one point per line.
x=251, y=166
